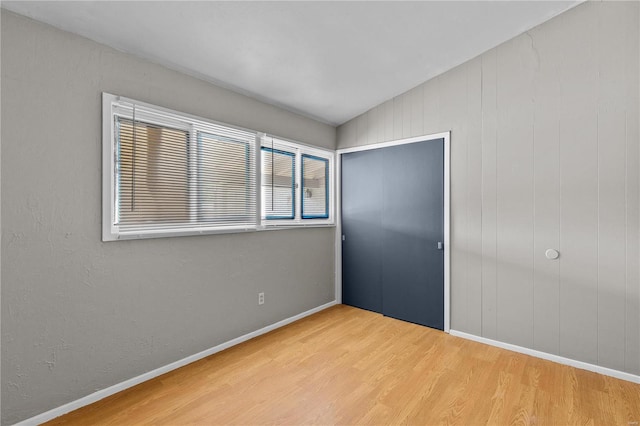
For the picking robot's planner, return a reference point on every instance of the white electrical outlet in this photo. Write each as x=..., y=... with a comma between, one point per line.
x=260, y=298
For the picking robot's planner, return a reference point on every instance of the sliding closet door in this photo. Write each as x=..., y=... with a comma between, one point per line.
x=362, y=229
x=393, y=231
x=412, y=226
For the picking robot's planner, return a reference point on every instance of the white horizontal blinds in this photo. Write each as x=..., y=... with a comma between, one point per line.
x=152, y=174
x=226, y=179
x=315, y=187
x=174, y=172
x=278, y=184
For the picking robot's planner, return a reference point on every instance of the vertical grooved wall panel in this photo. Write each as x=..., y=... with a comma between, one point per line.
x=417, y=116
x=453, y=111
x=489, y=199
x=546, y=128
x=374, y=125
x=515, y=193
x=362, y=129
x=544, y=154
x=474, y=195
x=579, y=189
x=398, y=102
x=387, y=119
x=431, y=107
x=611, y=188
x=406, y=113
x=632, y=168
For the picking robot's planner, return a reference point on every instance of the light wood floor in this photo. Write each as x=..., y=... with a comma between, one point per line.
x=349, y=366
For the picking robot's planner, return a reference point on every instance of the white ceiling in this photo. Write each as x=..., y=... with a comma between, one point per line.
x=327, y=60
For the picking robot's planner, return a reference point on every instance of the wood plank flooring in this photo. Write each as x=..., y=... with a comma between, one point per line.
x=349, y=366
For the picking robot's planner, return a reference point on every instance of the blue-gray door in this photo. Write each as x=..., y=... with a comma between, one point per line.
x=393, y=231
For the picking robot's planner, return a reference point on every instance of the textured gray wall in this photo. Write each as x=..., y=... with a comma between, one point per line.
x=544, y=154
x=80, y=315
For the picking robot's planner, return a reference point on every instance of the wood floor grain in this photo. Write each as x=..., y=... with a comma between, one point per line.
x=349, y=366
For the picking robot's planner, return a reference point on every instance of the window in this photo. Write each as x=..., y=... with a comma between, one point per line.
x=168, y=174
x=296, y=184
x=144, y=154
x=225, y=179
x=278, y=184
x=315, y=187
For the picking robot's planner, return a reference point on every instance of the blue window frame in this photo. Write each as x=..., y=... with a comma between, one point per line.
x=278, y=184
x=315, y=187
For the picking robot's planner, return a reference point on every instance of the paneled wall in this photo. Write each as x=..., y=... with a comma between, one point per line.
x=544, y=154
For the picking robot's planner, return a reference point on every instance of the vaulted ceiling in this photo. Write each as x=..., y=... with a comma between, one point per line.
x=327, y=60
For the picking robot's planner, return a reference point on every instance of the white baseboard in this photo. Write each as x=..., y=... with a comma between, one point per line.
x=103, y=393
x=551, y=357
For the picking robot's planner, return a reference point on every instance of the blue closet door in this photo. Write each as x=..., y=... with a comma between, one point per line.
x=393, y=227
x=362, y=230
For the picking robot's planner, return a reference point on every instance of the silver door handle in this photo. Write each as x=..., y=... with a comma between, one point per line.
x=440, y=245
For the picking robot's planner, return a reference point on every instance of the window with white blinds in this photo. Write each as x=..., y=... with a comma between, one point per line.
x=278, y=184
x=167, y=173
x=152, y=174
x=171, y=174
x=315, y=187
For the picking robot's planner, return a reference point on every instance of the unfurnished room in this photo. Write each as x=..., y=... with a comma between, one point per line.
x=320, y=212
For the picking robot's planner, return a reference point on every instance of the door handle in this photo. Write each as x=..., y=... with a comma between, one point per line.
x=440, y=245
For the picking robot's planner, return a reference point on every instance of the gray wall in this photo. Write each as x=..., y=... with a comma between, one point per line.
x=80, y=315
x=544, y=154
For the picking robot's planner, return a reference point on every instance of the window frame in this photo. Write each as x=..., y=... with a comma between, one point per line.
x=147, y=119
x=293, y=182
x=176, y=120
x=300, y=150
x=198, y=136
x=326, y=187
x=169, y=118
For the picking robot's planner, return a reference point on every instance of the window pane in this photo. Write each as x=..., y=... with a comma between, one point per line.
x=151, y=174
x=224, y=179
x=171, y=174
x=315, y=187
x=278, y=184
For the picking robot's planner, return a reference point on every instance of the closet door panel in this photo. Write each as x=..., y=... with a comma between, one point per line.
x=362, y=229
x=412, y=227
